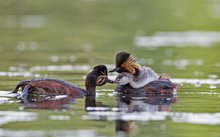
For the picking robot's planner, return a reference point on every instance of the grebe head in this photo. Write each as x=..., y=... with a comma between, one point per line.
x=125, y=62
x=98, y=76
x=124, y=78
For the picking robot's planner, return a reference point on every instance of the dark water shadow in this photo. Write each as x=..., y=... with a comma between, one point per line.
x=137, y=102
x=130, y=102
x=58, y=102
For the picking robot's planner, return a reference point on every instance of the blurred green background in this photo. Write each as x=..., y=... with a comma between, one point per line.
x=92, y=31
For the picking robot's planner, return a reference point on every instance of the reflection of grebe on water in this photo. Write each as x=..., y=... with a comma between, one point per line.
x=134, y=101
x=132, y=105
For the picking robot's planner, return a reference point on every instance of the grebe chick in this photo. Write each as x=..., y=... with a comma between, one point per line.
x=146, y=75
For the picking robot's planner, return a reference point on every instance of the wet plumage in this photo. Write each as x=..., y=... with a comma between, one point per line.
x=47, y=87
x=50, y=87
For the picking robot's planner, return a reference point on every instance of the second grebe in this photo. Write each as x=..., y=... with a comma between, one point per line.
x=52, y=87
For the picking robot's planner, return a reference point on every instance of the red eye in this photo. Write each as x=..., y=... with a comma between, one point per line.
x=122, y=65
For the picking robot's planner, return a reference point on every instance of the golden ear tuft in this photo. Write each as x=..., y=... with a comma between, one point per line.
x=130, y=64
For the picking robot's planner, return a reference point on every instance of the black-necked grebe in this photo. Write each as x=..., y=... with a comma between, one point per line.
x=53, y=87
x=139, y=75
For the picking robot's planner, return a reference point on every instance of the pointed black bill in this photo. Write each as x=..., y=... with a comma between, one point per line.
x=115, y=69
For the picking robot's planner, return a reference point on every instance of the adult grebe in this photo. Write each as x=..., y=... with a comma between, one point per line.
x=134, y=77
x=126, y=63
x=47, y=87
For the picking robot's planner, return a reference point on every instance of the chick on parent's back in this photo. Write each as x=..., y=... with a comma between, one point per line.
x=131, y=72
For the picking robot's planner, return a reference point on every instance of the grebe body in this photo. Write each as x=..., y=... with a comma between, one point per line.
x=47, y=87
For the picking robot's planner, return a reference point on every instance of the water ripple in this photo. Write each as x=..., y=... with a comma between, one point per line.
x=196, y=81
x=17, y=74
x=14, y=116
x=59, y=133
x=178, y=117
x=199, y=82
x=178, y=39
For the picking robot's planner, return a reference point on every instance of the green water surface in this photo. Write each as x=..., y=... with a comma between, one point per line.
x=90, y=32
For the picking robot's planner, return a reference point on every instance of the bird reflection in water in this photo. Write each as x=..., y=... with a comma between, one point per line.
x=131, y=100
x=59, y=102
x=50, y=102
x=133, y=105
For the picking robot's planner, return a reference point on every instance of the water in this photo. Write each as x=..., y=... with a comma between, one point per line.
x=64, y=133
x=179, y=39
x=66, y=39
x=140, y=109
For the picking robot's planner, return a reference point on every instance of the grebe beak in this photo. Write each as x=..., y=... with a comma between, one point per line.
x=113, y=70
x=110, y=81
